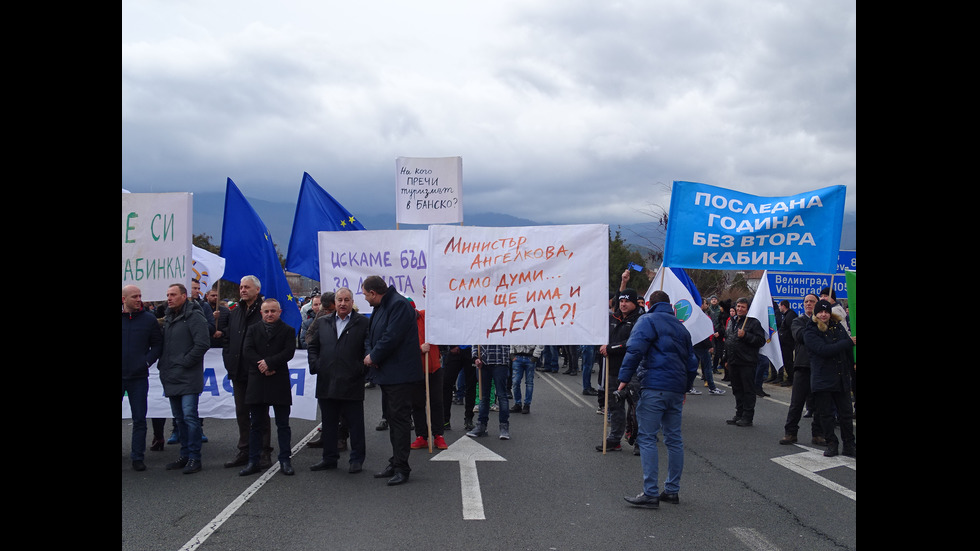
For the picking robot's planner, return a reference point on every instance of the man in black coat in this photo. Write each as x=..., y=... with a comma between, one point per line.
x=786, y=341
x=744, y=337
x=392, y=345
x=245, y=314
x=336, y=356
x=269, y=345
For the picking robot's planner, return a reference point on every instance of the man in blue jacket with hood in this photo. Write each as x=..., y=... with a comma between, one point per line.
x=661, y=354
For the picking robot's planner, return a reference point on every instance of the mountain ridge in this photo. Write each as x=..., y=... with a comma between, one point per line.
x=278, y=218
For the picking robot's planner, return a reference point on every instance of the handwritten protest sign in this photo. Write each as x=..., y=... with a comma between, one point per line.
x=519, y=285
x=429, y=190
x=156, y=242
x=720, y=229
x=347, y=258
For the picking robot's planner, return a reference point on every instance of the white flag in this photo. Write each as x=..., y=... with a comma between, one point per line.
x=762, y=310
x=698, y=323
x=207, y=267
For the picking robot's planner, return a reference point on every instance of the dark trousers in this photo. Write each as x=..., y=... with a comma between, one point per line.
x=452, y=365
x=436, y=409
x=259, y=429
x=242, y=415
x=401, y=399
x=743, y=387
x=797, y=401
x=332, y=411
x=826, y=404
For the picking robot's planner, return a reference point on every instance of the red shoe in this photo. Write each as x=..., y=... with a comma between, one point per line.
x=440, y=442
x=420, y=443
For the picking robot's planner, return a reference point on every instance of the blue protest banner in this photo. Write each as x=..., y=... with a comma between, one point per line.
x=714, y=228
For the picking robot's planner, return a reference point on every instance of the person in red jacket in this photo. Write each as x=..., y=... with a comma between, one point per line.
x=435, y=392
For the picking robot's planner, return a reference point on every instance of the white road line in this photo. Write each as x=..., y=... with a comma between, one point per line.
x=232, y=507
x=811, y=461
x=571, y=395
x=752, y=539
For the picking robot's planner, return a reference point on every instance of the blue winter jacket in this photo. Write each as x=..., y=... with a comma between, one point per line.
x=662, y=343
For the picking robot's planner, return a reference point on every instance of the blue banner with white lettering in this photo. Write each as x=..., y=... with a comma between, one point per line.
x=713, y=228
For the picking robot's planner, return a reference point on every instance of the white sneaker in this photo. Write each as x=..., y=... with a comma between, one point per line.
x=693, y=391
x=716, y=391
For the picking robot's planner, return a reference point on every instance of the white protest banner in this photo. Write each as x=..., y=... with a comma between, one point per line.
x=156, y=242
x=428, y=190
x=218, y=401
x=398, y=256
x=518, y=285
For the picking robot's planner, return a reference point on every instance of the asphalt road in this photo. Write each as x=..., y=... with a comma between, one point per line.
x=545, y=488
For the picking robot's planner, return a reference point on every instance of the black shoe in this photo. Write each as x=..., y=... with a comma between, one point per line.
x=383, y=425
x=157, y=445
x=831, y=449
x=240, y=460
x=669, y=498
x=590, y=392
x=526, y=408
x=250, y=469
x=323, y=465
x=179, y=464
x=761, y=393
x=743, y=422
x=139, y=465
x=808, y=414
x=387, y=473
x=850, y=450
x=399, y=478
x=610, y=447
x=788, y=439
x=193, y=466
x=287, y=468
x=516, y=408
x=355, y=468
x=468, y=424
x=732, y=421
x=644, y=501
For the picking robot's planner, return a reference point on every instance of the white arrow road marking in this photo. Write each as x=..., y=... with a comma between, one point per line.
x=812, y=461
x=467, y=451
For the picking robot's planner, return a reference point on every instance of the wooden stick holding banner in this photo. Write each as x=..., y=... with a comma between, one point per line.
x=428, y=412
x=605, y=402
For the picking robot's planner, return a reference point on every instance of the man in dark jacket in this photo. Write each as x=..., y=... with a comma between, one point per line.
x=663, y=345
x=786, y=341
x=392, y=345
x=336, y=357
x=269, y=345
x=141, y=346
x=246, y=314
x=185, y=341
x=744, y=337
x=620, y=326
x=221, y=315
x=801, y=379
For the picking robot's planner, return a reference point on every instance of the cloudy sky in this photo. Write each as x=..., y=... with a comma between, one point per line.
x=567, y=111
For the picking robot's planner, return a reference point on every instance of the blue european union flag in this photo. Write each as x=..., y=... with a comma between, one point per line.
x=316, y=211
x=247, y=248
